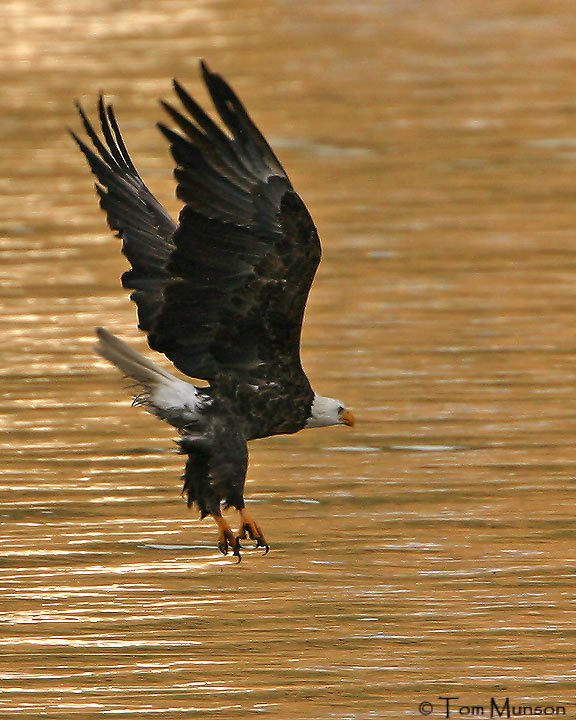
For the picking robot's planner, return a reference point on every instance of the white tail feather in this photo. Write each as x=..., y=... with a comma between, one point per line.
x=131, y=362
x=164, y=394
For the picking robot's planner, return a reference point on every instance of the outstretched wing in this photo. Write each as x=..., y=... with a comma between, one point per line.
x=133, y=213
x=223, y=293
x=246, y=250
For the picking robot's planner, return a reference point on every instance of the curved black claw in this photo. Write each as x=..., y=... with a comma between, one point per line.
x=237, y=548
x=252, y=531
x=225, y=545
x=260, y=542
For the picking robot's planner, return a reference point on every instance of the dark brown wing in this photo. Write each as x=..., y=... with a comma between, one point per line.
x=133, y=213
x=246, y=250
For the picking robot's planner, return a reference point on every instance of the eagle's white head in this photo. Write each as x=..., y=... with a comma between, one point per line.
x=328, y=411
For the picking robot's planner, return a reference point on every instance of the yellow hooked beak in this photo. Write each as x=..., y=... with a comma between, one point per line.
x=347, y=418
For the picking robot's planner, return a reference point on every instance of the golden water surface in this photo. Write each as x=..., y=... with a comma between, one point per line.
x=428, y=552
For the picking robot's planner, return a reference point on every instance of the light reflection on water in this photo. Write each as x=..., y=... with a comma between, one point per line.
x=428, y=551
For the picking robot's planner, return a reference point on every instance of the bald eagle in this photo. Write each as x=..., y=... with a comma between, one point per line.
x=221, y=293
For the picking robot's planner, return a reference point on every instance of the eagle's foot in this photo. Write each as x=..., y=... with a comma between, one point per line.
x=249, y=529
x=226, y=538
x=229, y=542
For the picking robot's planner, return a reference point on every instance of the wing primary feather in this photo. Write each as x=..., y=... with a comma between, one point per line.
x=120, y=140
x=221, y=157
x=98, y=144
x=102, y=170
x=188, y=128
x=204, y=121
x=108, y=136
x=239, y=122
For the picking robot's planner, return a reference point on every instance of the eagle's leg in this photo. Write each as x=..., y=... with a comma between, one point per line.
x=226, y=538
x=249, y=528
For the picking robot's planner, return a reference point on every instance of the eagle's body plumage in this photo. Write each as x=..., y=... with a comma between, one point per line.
x=221, y=293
